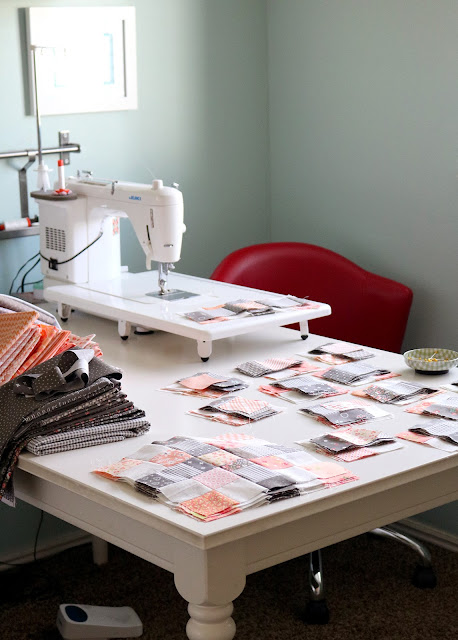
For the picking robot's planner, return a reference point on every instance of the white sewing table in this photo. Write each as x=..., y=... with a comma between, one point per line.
x=210, y=561
x=128, y=301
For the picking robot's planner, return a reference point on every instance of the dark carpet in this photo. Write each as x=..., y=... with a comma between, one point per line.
x=369, y=595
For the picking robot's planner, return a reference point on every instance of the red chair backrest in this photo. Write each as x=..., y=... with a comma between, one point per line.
x=366, y=308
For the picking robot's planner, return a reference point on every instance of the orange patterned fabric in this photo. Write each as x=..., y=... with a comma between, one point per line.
x=12, y=327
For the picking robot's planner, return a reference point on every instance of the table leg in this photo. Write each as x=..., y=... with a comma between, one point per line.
x=304, y=329
x=64, y=311
x=99, y=551
x=204, y=349
x=124, y=329
x=210, y=580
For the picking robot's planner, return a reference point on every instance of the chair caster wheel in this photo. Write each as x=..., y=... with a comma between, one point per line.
x=424, y=577
x=316, y=612
x=204, y=359
x=64, y=319
x=304, y=337
x=124, y=337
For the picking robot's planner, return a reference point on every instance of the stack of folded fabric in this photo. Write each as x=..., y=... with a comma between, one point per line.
x=236, y=410
x=209, y=478
x=28, y=339
x=437, y=433
x=258, y=368
x=442, y=406
x=354, y=373
x=207, y=385
x=340, y=353
x=72, y=400
x=339, y=414
x=353, y=443
x=305, y=385
x=396, y=391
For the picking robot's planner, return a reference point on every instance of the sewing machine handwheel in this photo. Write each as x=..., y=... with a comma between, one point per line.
x=204, y=359
x=124, y=337
x=304, y=337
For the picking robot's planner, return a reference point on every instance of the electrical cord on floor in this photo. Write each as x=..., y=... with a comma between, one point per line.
x=21, y=287
x=28, y=284
x=20, y=269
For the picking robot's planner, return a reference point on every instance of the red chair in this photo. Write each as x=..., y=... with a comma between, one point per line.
x=366, y=308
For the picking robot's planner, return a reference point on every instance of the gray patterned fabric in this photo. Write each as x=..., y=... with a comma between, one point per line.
x=86, y=437
x=68, y=393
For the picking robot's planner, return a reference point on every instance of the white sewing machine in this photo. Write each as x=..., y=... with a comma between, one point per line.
x=81, y=263
x=80, y=239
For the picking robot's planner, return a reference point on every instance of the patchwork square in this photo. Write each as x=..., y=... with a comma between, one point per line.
x=184, y=490
x=156, y=480
x=219, y=458
x=216, y=478
x=209, y=504
x=171, y=458
x=274, y=483
x=200, y=465
x=272, y=462
x=243, y=490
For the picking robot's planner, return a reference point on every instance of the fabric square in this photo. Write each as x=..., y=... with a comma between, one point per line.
x=149, y=451
x=253, y=472
x=272, y=462
x=201, y=381
x=216, y=478
x=226, y=440
x=201, y=448
x=355, y=454
x=275, y=483
x=243, y=490
x=298, y=458
x=243, y=405
x=300, y=475
x=325, y=470
x=114, y=470
x=156, y=480
x=177, y=442
x=413, y=437
x=209, y=503
x=170, y=458
x=183, y=471
x=238, y=463
x=200, y=465
x=184, y=490
x=219, y=458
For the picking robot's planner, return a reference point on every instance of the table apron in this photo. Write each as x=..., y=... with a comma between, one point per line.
x=261, y=549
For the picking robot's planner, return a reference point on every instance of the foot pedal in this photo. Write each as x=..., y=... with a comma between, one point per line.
x=86, y=622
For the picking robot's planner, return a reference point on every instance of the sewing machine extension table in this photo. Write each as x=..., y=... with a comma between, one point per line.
x=128, y=300
x=210, y=561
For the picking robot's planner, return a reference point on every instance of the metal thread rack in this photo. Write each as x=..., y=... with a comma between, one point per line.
x=64, y=149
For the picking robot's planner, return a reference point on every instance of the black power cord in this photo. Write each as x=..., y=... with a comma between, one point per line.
x=20, y=269
x=53, y=263
x=21, y=287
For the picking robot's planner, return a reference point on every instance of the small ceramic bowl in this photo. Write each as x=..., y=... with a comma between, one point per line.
x=431, y=361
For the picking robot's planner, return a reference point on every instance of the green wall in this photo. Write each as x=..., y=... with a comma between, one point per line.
x=363, y=105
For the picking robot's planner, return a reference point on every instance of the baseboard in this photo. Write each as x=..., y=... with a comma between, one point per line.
x=429, y=534
x=65, y=541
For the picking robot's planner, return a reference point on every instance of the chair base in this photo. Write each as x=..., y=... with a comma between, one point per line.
x=423, y=577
